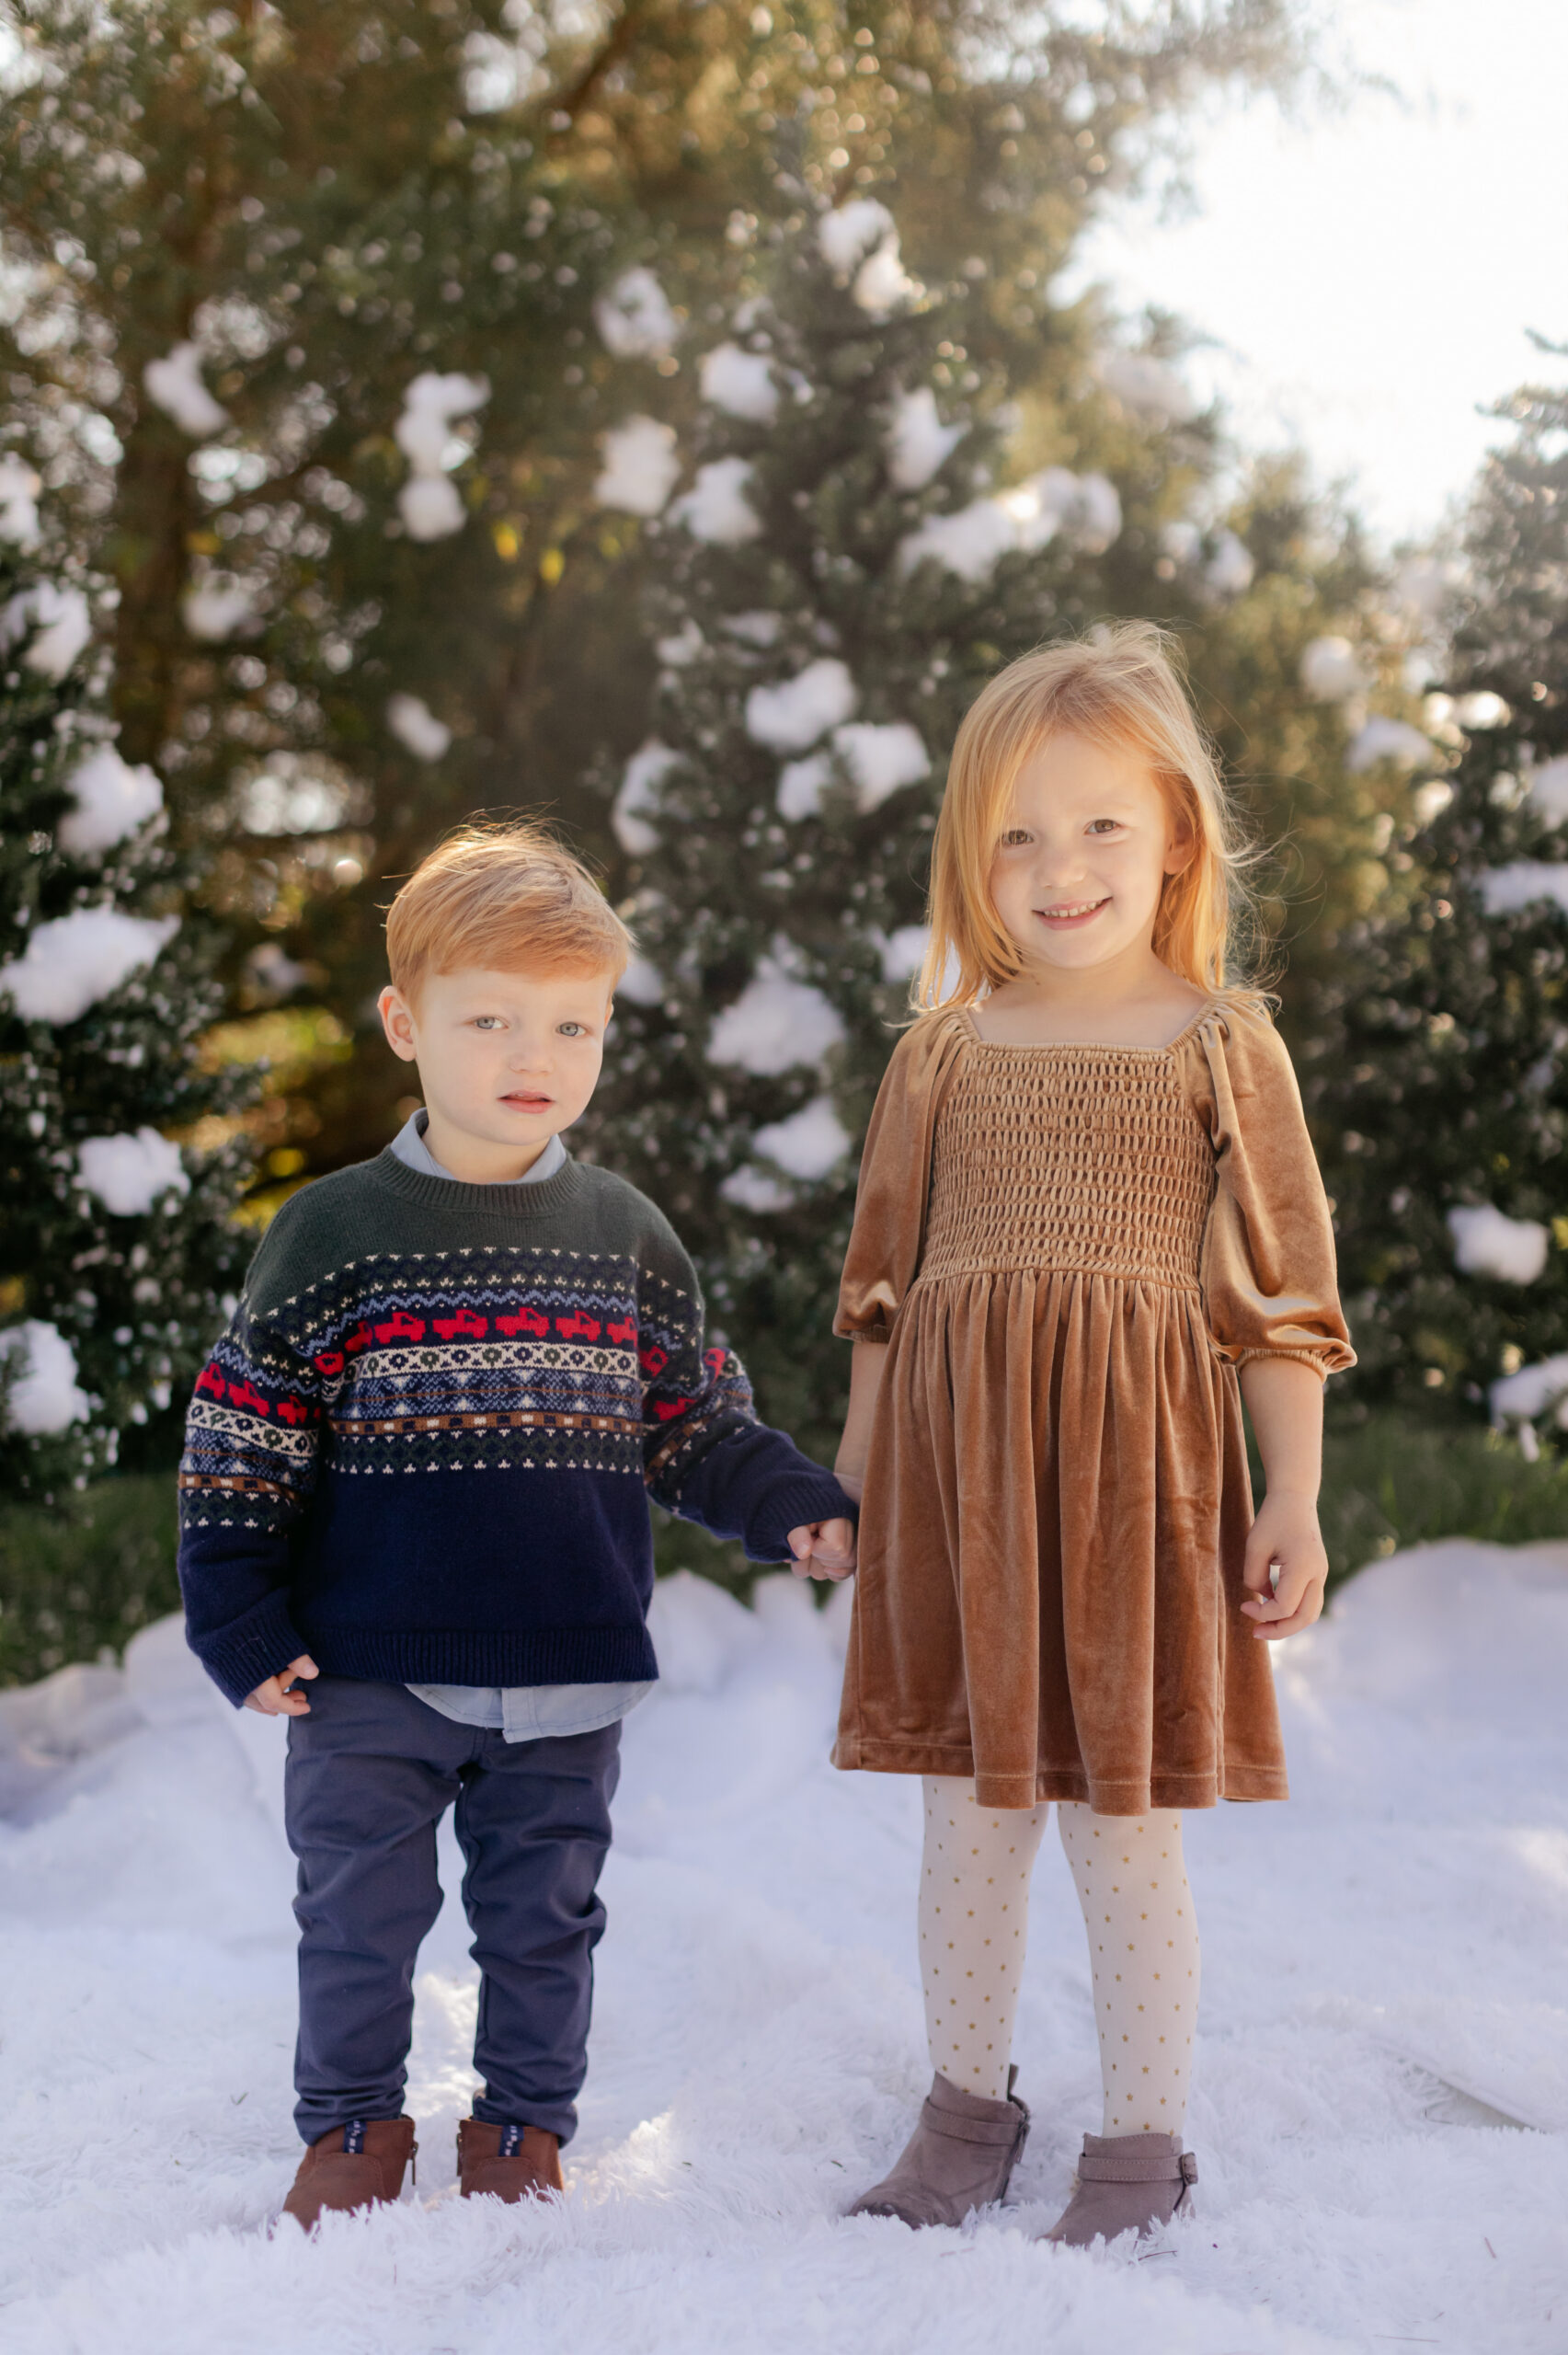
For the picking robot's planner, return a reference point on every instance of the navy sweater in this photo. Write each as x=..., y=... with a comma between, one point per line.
x=423, y=1447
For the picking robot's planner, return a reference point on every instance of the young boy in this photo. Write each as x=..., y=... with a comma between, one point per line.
x=414, y=1520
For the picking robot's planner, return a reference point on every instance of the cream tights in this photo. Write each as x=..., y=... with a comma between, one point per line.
x=1143, y=1952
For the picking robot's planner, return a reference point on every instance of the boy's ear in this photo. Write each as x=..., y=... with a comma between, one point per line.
x=398, y=1021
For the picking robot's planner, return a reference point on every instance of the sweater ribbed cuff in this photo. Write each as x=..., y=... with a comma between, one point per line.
x=247, y=1651
x=790, y=1504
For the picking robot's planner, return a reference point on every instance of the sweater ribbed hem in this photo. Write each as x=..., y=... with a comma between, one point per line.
x=248, y=1652
x=469, y=1656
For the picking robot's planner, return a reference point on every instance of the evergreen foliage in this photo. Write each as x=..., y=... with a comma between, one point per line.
x=816, y=667
x=116, y=1248
x=1448, y=1088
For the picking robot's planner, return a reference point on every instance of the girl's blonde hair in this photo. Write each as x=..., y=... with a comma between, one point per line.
x=1121, y=686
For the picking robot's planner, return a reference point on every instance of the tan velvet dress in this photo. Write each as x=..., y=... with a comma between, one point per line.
x=1068, y=1251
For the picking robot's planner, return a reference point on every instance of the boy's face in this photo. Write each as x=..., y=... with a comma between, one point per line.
x=506, y=1059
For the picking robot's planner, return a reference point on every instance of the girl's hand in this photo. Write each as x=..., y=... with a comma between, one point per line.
x=273, y=1699
x=823, y=1549
x=1284, y=1538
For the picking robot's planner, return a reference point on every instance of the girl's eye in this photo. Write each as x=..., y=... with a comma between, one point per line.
x=1013, y=837
x=1105, y=825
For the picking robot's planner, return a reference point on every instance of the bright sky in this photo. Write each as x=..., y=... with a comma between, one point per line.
x=1369, y=277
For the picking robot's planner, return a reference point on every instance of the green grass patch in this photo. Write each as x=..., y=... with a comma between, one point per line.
x=1392, y=1481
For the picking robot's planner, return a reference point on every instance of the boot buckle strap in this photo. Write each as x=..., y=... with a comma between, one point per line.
x=1189, y=2165
x=952, y=2123
x=1095, y=2167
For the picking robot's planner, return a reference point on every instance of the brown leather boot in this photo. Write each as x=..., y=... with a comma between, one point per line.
x=1126, y=2183
x=959, y=2157
x=507, y=2162
x=356, y=2166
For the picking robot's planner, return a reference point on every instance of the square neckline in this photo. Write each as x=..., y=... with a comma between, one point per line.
x=1081, y=1046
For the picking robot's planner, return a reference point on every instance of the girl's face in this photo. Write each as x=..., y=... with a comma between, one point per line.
x=1086, y=846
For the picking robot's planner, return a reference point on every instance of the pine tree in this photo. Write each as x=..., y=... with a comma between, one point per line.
x=868, y=532
x=117, y=1243
x=1447, y=1092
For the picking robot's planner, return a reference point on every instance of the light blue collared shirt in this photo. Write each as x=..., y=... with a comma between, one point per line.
x=517, y=1712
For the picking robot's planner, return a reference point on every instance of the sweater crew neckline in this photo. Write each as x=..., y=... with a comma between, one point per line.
x=509, y=1201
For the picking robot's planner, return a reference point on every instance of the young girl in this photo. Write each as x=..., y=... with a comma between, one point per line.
x=1089, y=1225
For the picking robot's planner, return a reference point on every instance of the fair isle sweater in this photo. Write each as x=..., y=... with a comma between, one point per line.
x=423, y=1448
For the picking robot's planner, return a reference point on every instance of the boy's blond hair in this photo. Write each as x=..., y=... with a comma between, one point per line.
x=1121, y=686
x=502, y=898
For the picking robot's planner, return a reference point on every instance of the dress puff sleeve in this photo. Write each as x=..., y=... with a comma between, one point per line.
x=1270, y=1283
x=888, y=1234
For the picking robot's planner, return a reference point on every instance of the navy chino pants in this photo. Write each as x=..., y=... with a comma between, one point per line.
x=371, y=1772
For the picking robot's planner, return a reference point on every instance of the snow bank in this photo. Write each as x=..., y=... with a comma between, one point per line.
x=130, y=1173
x=71, y=962
x=174, y=385
x=1487, y=1243
x=1382, y=738
x=1330, y=670
x=641, y=467
x=776, y=1023
x=428, y=501
x=739, y=383
x=634, y=319
x=417, y=728
x=638, y=797
x=717, y=508
x=793, y=714
x=44, y=1395
x=19, y=487
x=808, y=1143
x=919, y=444
x=1505, y=889
x=60, y=620
x=112, y=798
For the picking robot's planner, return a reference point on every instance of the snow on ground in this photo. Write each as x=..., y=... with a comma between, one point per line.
x=1381, y=2110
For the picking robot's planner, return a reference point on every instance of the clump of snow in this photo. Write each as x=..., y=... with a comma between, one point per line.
x=808, y=1143
x=881, y=757
x=71, y=964
x=1530, y=1392
x=859, y=242
x=759, y=628
x=130, y=1173
x=273, y=971
x=415, y=727
x=635, y=319
x=794, y=715
x=638, y=797
x=973, y=540
x=1382, y=738
x=44, y=1395
x=716, y=509
x=1148, y=387
x=903, y=951
x=1430, y=799
x=1488, y=1243
x=1548, y=787
x=739, y=383
x=683, y=647
x=1505, y=889
x=640, y=468
x=1330, y=670
x=428, y=501
x=1482, y=710
x=219, y=606
x=112, y=800
x=919, y=444
x=642, y=982
x=19, y=487
x=753, y=1190
x=801, y=785
x=776, y=1023
x=174, y=385
x=1230, y=570
x=62, y=623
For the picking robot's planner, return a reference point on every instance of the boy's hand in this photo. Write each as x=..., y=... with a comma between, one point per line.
x=1285, y=1567
x=823, y=1549
x=273, y=1699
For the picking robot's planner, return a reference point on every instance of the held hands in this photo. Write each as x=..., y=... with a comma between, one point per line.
x=1285, y=1539
x=274, y=1699
x=823, y=1549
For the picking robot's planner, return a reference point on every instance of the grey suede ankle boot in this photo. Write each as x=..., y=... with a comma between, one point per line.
x=1126, y=2183
x=959, y=2158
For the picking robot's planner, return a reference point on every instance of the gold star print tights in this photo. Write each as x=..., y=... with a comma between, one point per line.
x=1143, y=1952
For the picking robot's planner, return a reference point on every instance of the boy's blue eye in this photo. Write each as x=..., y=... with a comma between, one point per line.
x=572, y=1029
